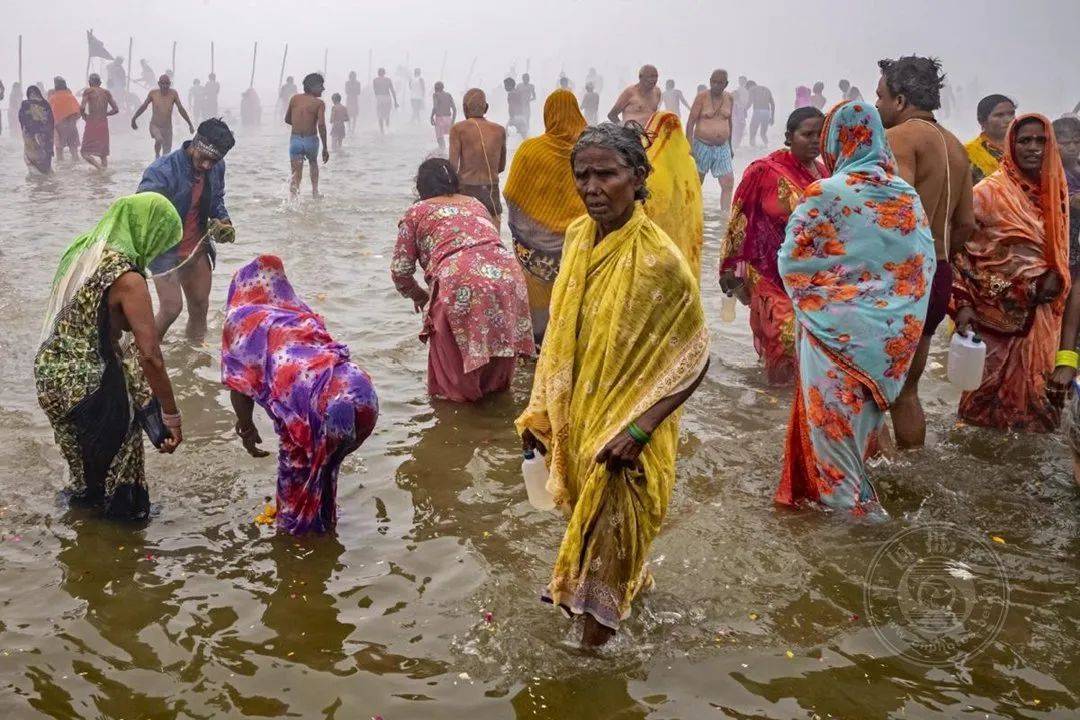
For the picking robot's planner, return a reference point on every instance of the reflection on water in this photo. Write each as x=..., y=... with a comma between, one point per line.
x=424, y=604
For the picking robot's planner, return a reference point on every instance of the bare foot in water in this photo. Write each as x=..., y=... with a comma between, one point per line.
x=594, y=634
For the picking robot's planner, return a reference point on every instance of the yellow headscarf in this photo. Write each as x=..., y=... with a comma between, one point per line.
x=627, y=329
x=674, y=187
x=541, y=181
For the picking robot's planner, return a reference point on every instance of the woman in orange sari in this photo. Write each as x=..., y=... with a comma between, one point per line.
x=767, y=194
x=1012, y=280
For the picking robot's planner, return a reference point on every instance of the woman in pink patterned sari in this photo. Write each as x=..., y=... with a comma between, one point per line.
x=476, y=308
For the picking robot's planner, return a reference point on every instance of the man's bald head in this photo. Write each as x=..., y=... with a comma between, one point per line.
x=648, y=76
x=718, y=81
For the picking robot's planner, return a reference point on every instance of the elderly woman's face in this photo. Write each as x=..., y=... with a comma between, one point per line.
x=606, y=184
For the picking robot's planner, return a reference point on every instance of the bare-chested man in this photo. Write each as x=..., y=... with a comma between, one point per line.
x=163, y=98
x=709, y=129
x=934, y=161
x=673, y=99
x=639, y=101
x=352, y=100
x=385, y=98
x=478, y=153
x=307, y=116
x=96, y=108
x=443, y=113
x=762, y=112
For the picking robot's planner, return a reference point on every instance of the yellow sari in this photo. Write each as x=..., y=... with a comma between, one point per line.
x=985, y=157
x=674, y=187
x=627, y=330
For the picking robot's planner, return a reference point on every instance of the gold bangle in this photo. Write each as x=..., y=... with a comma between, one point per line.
x=1067, y=358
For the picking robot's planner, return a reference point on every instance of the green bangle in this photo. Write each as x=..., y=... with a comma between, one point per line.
x=640, y=436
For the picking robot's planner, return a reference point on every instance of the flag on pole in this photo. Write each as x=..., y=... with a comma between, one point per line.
x=97, y=48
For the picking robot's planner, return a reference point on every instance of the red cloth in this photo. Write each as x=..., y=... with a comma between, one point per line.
x=192, y=230
x=446, y=371
x=95, y=140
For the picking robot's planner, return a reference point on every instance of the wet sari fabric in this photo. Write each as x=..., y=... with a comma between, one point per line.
x=857, y=261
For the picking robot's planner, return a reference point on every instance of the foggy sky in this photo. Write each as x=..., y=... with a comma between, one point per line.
x=1025, y=49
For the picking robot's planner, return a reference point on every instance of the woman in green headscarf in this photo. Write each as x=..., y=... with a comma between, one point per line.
x=89, y=380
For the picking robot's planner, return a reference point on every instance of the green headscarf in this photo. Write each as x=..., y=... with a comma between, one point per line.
x=140, y=226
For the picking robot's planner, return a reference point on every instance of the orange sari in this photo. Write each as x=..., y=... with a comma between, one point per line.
x=1022, y=232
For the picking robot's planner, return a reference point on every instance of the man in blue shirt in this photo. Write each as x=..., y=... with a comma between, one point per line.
x=193, y=178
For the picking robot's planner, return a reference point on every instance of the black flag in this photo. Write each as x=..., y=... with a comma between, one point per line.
x=97, y=48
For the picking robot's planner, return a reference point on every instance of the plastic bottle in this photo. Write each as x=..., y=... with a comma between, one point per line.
x=727, y=309
x=535, y=473
x=967, y=356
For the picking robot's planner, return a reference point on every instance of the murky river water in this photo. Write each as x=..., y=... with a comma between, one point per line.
x=758, y=612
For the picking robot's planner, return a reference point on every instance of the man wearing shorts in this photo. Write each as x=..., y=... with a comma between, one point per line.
x=935, y=163
x=193, y=179
x=385, y=99
x=164, y=99
x=478, y=153
x=709, y=129
x=307, y=116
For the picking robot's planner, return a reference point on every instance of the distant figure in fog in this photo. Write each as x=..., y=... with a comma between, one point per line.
x=164, y=99
x=195, y=98
x=307, y=116
x=285, y=93
x=762, y=112
x=66, y=113
x=817, y=99
x=97, y=107
x=673, y=99
x=385, y=99
x=476, y=319
x=250, y=108
x=478, y=153
x=417, y=94
x=338, y=117
x=590, y=103
x=210, y=96
x=352, y=100
x=517, y=106
x=443, y=113
x=36, y=121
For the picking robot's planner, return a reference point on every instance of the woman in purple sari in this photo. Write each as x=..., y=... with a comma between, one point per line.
x=276, y=352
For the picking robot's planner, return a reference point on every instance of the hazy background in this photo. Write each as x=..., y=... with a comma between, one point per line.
x=1026, y=49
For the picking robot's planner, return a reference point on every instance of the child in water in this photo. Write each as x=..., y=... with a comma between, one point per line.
x=338, y=117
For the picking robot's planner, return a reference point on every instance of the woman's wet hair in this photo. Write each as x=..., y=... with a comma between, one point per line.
x=436, y=177
x=801, y=115
x=918, y=79
x=987, y=105
x=627, y=141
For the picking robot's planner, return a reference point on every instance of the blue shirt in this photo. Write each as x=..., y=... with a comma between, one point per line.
x=173, y=176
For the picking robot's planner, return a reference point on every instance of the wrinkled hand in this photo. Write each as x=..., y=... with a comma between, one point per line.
x=251, y=439
x=1057, y=388
x=420, y=299
x=736, y=286
x=1047, y=287
x=176, y=436
x=965, y=317
x=621, y=452
x=529, y=442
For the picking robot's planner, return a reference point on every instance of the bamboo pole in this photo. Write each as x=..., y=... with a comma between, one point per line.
x=254, y=55
x=442, y=70
x=173, y=68
x=127, y=80
x=469, y=76
x=281, y=75
x=325, y=60
x=211, y=56
x=20, y=63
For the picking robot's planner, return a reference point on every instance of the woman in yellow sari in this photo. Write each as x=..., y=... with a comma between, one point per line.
x=986, y=151
x=542, y=200
x=626, y=346
x=674, y=187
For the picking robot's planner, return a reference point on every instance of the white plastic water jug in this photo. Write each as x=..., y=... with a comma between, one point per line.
x=727, y=309
x=967, y=356
x=535, y=473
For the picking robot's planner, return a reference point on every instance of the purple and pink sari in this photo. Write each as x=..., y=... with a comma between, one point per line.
x=277, y=351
